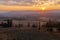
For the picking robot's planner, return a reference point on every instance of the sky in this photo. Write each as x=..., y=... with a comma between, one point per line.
x=9, y=5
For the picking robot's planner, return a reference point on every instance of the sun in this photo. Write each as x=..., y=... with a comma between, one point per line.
x=43, y=8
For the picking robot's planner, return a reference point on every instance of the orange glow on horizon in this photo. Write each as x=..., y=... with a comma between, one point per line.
x=10, y=5
x=10, y=8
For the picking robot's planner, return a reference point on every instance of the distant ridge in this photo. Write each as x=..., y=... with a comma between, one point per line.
x=31, y=14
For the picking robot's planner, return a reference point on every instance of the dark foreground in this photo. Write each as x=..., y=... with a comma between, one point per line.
x=28, y=35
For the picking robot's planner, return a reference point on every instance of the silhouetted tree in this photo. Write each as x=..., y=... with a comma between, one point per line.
x=58, y=26
x=34, y=26
x=9, y=22
x=1, y=24
x=19, y=25
x=5, y=25
x=28, y=25
x=39, y=26
x=49, y=25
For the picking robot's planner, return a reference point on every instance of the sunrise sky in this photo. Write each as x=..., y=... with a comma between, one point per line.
x=9, y=5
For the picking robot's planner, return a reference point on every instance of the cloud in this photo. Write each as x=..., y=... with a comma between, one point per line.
x=12, y=2
x=22, y=2
x=3, y=2
x=8, y=2
x=24, y=5
x=16, y=2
